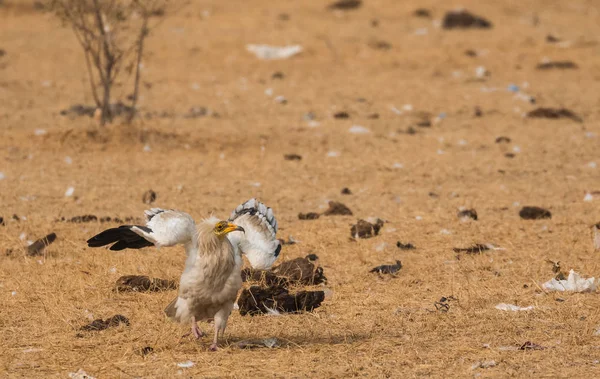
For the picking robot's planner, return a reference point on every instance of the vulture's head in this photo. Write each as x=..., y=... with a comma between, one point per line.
x=222, y=228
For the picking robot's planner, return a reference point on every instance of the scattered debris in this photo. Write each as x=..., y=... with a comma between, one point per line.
x=278, y=75
x=561, y=65
x=462, y=19
x=264, y=277
x=503, y=139
x=149, y=197
x=80, y=374
x=477, y=112
x=337, y=209
x=37, y=248
x=484, y=364
x=346, y=191
x=467, y=213
x=554, y=113
x=280, y=99
x=531, y=346
x=341, y=115
x=70, y=191
x=268, y=52
x=364, y=229
x=308, y=216
x=405, y=246
x=358, y=129
x=146, y=350
x=186, y=364
x=534, y=213
x=82, y=219
x=422, y=12
x=142, y=283
x=257, y=300
x=552, y=39
x=475, y=249
x=443, y=305
x=270, y=343
x=345, y=5
x=111, y=322
x=574, y=283
x=557, y=270
x=513, y=308
x=292, y=157
x=388, y=269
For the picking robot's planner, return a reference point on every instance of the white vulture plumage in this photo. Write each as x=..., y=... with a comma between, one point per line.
x=212, y=275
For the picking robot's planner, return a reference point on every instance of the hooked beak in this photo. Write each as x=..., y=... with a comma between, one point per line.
x=233, y=228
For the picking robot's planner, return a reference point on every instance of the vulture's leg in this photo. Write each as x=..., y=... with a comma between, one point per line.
x=220, y=324
x=195, y=329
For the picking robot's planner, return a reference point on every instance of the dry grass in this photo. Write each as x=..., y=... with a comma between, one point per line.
x=370, y=326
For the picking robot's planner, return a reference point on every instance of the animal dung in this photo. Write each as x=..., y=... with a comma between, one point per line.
x=100, y=324
x=467, y=213
x=292, y=157
x=554, y=113
x=405, y=246
x=257, y=300
x=534, y=213
x=346, y=191
x=38, y=247
x=475, y=249
x=149, y=197
x=364, y=229
x=2, y=221
x=388, y=269
x=341, y=115
x=299, y=271
x=422, y=12
x=561, y=65
x=308, y=216
x=502, y=139
x=345, y=5
x=82, y=219
x=337, y=209
x=141, y=283
x=463, y=19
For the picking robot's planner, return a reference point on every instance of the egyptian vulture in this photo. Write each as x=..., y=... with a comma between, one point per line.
x=212, y=276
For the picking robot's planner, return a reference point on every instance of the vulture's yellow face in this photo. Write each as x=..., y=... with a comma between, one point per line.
x=222, y=228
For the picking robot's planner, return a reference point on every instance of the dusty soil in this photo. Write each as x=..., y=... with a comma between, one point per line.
x=377, y=59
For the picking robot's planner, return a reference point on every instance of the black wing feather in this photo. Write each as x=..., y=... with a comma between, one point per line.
x=124, y=237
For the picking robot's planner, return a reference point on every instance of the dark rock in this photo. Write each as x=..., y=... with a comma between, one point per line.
x=405, y=246
x=149, y=197
x=255, y=300
x=388, y=269
x=292, y=157
x=308, y=216
x=561, y=65
x=141, y=283
x=534, y=213
x=503, y=139
x=345, y=5
x=552, y=113
x=38, y=247
x=364, y=229
x=475, y=249
x=337, y=209
x=100, y=324
x=422, y=12
x=468, y=213
x=380, y=45
x=278, y=75
x=464, y=20
x=346, y=191
x=341, y=115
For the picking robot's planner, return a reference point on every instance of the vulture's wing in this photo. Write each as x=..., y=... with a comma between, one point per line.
x=258, y=242
x=163, y=228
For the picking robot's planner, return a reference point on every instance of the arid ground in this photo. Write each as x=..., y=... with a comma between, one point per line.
x=390, y=71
